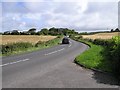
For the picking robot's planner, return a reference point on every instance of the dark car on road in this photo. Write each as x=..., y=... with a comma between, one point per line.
x=65, y=40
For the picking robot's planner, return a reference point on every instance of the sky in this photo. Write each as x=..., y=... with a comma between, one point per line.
x=81, y=15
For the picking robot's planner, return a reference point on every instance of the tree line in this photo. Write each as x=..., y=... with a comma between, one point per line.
x=115, y=30
x=53, y=31
x=44, y=31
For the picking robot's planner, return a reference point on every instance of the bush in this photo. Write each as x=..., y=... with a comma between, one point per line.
x=115, y=53
x=9, y=48
x=39, y=43
x=80, y=37
x=110, y=52
x=13, y=48
x=49, y=43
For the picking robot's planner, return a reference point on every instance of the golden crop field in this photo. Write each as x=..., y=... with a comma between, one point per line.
x=101, y=35
x=24, y=38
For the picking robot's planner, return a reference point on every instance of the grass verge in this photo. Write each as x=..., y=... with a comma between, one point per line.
x=93, y=58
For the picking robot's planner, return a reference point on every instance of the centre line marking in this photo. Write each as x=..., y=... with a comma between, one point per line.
x=61, y=49
x=55, y=51
x=14, y=62
x=70, y=45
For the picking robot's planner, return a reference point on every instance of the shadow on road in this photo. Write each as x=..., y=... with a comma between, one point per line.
x=111, y=62
x=104, y=78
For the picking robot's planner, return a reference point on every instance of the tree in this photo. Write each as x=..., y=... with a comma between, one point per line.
x=38, y=33
x=15, y=32
x=53, y=31
x=1, y=33
x=7, y=33
x=117, y=30
x=32, y=31
x=112, y=30
x=44, y=31
x=65, y=31
x=24, y=33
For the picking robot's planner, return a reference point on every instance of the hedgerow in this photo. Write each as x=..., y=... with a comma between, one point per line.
x=110, y=52
x=9, y=48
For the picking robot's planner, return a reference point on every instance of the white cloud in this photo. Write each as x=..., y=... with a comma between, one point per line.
x=23, y=24
x=36, y=16
x=16, y=17
x=82, y=15
x=22, y=0
x=59, y=0
x=0, y=17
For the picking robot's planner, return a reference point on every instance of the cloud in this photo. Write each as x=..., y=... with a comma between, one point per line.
x=107, y=14
x=106, y=7
x=0, y=16
x=14, y=7
x=35, y=16
x=119, y=14
x=59, y=0
x=78, y=15
x=38, y=7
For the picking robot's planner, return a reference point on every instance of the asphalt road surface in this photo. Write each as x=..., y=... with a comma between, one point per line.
x=52, y=68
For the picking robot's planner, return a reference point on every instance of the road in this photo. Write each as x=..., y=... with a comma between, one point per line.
x=52, y=68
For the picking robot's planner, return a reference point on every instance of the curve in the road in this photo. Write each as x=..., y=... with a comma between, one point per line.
x=51, y=68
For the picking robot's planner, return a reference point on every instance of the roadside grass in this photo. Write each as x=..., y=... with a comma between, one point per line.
x=93, y=58
x=25, y=47
x=103, y=55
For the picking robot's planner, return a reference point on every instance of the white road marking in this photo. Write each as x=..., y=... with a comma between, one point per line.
x=51, y=53
x=70, y=45
x=4, y=64
x=55, y=51
x=29, y=59
x=14, y=62
x=61, y=49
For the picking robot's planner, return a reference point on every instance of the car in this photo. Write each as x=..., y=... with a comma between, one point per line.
x=65, y=40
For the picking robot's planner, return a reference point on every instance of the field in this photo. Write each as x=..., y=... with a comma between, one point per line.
x=101, y=35
x=24, y=38
x=17, y=44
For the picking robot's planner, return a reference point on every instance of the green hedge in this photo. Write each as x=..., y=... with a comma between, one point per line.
x=49, y=43
x=110, y=52
x=10, y=48
x=14, y=48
